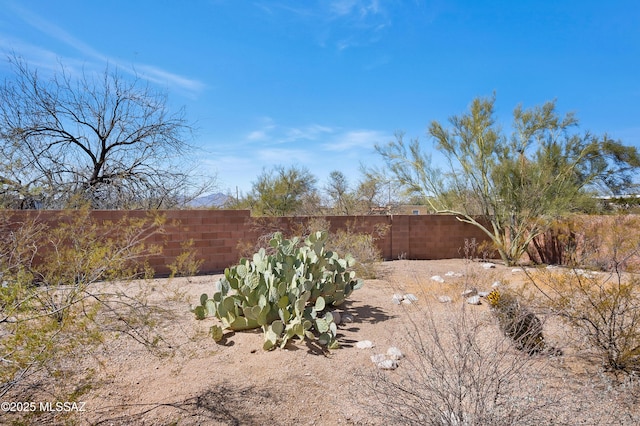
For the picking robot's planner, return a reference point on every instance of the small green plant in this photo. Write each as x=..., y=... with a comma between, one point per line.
x=186, y=264
x=287, y=293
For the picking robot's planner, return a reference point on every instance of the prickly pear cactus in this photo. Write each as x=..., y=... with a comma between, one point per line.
x=287, y=293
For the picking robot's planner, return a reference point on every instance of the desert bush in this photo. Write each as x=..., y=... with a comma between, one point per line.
x=52, y=307
x=360, y=246
x=593, y=242
x=287, y=293
x=187, y=263
x=604, y=307
x=459, y=371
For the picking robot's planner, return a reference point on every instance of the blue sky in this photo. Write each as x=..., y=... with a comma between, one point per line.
x=318, y=83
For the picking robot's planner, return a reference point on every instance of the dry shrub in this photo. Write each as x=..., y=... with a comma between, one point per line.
x=459, y=371
x=602, y=308
x=362, y=246
x=187, y=263
x=56, y=308
x=264, y=228
x=594, y=242
x=610, y=243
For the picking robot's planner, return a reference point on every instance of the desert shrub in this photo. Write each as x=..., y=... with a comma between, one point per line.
x=360, y=246
x=54, y=306
x=187, y=263
x=593, y=242
x=609, y=243
x=459, y=371
x=288, y=293
x=604, y=308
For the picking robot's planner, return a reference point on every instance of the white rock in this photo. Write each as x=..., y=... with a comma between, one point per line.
x=394, y=353
x=411, y=297
x=378, y=358
x=474, y=300
x=516, y=270
x=406, y=301
x=364, y=344
x=347, y=318
x=488, y=265
x=388, y=364
x=483, y=293
x=444, y=299
x=437, y=278
x=496, y=284
x=469, y=292
x=585, y=273
x=397, y=298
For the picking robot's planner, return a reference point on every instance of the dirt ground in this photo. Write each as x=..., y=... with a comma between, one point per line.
x=199, y=382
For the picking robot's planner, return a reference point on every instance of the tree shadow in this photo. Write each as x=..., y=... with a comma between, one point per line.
x=224, y=405
x=361, y=314
x=367, y=313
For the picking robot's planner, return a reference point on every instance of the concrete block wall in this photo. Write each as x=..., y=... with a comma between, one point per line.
x=216, y=234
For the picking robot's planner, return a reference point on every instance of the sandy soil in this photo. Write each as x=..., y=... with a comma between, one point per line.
x=197, y=381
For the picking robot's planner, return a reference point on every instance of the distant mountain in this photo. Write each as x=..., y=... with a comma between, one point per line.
x=213, y=200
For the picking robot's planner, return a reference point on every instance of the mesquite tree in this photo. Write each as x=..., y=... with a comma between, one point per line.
x=72, y=138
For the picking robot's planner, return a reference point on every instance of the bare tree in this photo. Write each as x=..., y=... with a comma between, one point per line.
x=100, y=139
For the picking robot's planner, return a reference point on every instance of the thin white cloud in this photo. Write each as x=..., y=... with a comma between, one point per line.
x=341, y=24
x=355, y=140
x=358, y=7
x=272, y=133
x=43, y=58
x=160, y=76
x=275, y=156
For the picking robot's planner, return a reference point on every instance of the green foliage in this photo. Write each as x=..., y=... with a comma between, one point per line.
x=370, y=193
x=512, y=187
x=287, y=293
x=51, y=308
x=279, y=192
x=186, y=264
